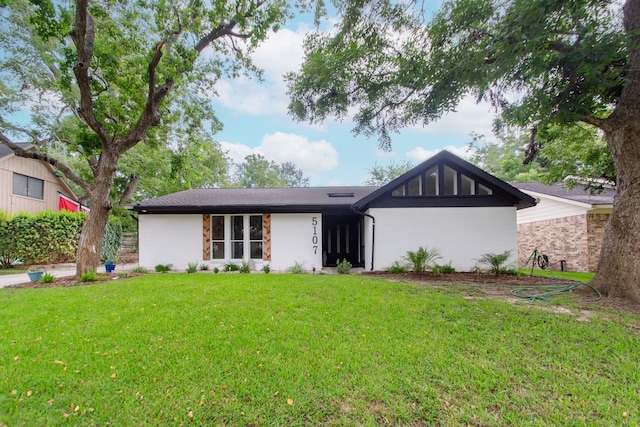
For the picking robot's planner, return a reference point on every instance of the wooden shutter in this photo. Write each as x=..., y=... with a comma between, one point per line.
x=266, y=237
x=206, y=237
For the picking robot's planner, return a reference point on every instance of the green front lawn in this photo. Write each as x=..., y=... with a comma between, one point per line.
x=205, y=349
x=566, y=275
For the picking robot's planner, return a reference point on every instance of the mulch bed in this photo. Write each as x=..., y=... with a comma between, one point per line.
x=502, y=286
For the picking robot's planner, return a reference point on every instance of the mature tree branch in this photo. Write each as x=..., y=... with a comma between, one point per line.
x=83, y=36
x=20, y=152
x=131, y=188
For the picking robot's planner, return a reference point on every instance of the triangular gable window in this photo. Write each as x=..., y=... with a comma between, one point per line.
x=442, y=180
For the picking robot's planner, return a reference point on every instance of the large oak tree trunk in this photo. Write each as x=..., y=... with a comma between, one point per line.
x=90, y=243
x=619, y=267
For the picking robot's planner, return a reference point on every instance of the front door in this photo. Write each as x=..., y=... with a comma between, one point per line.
x=342, y=239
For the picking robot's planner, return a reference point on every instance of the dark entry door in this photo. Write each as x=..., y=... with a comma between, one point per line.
x=342, y=239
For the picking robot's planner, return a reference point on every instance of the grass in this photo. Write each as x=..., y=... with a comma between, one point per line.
x=14, y=270
x=306, y=350
x=565, y=275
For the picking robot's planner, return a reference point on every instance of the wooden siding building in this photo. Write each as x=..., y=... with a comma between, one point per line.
x=28, y=185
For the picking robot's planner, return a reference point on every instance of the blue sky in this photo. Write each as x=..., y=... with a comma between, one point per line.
x=256, y=121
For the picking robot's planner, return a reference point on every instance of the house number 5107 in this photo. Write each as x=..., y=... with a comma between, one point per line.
x=314, y=236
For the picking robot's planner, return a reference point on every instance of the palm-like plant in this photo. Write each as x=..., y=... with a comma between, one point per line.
x=422, y=259
x=496, y=262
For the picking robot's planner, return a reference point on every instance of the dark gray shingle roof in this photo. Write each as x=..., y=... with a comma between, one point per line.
x=248, y=198
x=577, y=193
x=5, y=151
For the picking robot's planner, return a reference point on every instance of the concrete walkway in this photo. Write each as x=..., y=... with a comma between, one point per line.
x=58, y=270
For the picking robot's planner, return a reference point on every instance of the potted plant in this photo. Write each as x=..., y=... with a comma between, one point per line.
x=109, y=266
x=35, y=273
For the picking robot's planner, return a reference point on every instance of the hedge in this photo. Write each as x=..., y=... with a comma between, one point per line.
x=46, y=238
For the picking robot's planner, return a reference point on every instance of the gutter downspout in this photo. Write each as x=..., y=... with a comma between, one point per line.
x=373, y=231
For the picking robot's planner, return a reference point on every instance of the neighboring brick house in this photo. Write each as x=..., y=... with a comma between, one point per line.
x=28, y=185
x=566, y=224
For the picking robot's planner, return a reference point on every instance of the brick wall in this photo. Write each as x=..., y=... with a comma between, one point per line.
x=595, y=229
x=560, y=239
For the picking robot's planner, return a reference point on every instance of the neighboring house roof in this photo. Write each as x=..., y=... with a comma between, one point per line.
x=579, y=193
x=6, y=151
x=337, y=199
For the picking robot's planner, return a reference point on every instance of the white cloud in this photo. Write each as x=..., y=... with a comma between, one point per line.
x=384, y=154
x=281, y=53
x=313, y=157
x=469, y=117
x=420, y=154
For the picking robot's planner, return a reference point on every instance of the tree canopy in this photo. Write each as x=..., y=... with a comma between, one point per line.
x=540, y=63
x=121, y=73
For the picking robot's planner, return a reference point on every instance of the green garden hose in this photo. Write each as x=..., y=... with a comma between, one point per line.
x=543, y=294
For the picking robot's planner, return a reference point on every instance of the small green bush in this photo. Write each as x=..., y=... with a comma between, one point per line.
x=48, y=278
x=88, y=276
x=245, y=267
x=216, y=270
x=230, y=267
x=443, y=269
x=496, y=262
x=397, y=268
x=266, y=268
x=123, y=275
x=344, y=266
x=163, y=268
x=422, y=259
x=139, y=270
x=297, y=268
x=204, y=267
x=192, y=267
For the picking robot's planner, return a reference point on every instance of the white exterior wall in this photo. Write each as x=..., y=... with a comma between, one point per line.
x=461, y=235
x=292, y=241
x=170, y=239
x=551, y=208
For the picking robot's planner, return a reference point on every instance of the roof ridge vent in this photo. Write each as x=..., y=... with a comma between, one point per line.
x=340, y=194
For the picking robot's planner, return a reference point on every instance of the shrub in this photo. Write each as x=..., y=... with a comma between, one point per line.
x=496, y=262
x=230, y=267
x=396, y=268
x=88, y=276
x=216, y=270
x=422, y=259
x=297, y=268
x=245, y=267
x=123, y=275
x=443, y=269
x=40, y=238
x=204, y=267
x=48, y=278
x=344, y=266
x=192, y=267
x=139, y=270
x=266, y=268
x=112, y=240
x=163, y=268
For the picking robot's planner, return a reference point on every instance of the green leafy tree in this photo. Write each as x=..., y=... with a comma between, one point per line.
x=258, y=172
x=567, y=62
x=129, y=71
x=505, y=158
x=381, y=175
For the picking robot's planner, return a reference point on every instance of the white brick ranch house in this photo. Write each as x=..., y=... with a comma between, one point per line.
x=445, y=203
